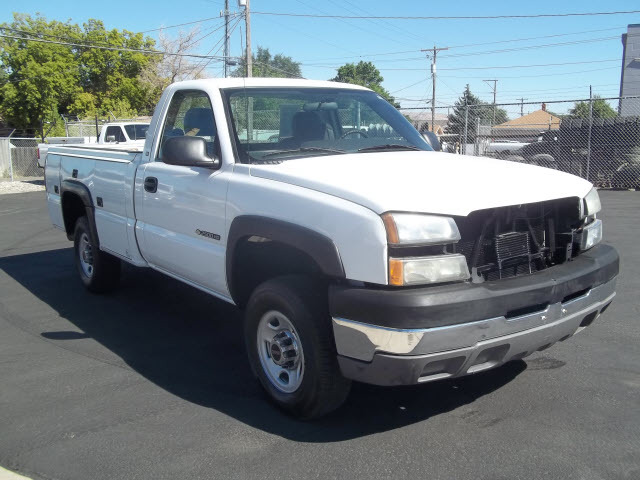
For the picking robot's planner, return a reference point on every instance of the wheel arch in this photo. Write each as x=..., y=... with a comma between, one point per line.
x=284, y=248
x=76, y=201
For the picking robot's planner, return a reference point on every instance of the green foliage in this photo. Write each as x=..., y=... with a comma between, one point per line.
x=39, y=81
x=266, y=65
x=367, y=75
x=601, y=109
x=479, y=110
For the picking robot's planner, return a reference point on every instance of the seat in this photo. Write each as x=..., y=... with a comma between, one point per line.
x=306, y=127
x=199, y=121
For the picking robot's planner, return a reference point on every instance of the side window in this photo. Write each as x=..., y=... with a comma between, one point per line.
x=116, y=133
x=190, y=113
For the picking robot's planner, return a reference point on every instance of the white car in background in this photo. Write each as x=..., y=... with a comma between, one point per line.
x=125, y=133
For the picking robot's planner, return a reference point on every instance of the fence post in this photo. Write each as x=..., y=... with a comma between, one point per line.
x=10, y=156
x=466, y=124
x=589, y=136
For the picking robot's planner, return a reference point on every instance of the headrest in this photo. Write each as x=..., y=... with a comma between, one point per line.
x=202, y=119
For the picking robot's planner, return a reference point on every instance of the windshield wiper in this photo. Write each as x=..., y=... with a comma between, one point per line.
x=388, y=146
x=304, y=149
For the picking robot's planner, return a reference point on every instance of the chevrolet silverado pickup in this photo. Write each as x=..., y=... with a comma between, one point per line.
x=355, y=251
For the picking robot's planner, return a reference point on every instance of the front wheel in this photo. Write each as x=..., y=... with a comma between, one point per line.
x=99, y=271
x=291, y=348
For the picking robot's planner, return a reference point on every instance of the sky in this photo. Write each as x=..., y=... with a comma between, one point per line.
x=539, y=59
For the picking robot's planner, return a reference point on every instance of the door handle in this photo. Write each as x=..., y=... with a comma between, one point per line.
x=151, y=184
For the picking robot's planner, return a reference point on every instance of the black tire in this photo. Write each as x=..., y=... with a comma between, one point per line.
x=104, y=274
x=303, y=302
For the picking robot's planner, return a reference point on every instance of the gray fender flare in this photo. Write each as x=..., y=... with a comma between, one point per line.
x=78, y=188
x=319, y=247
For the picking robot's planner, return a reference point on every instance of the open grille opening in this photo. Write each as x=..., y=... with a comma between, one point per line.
x=518, y=240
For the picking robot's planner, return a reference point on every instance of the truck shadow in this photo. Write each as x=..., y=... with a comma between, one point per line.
x=191, y=345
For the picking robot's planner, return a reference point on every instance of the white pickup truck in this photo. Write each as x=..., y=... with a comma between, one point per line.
x=131, y=134
x=356, y=254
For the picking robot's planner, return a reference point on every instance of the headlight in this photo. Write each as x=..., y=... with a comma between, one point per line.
x=591, y=203
x=436, y=269
x=413, y=228
x=591, y=235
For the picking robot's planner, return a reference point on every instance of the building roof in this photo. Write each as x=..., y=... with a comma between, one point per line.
x=540, y=119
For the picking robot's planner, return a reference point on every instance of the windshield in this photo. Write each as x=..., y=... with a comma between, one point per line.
x=275, y=124
x=137, y=131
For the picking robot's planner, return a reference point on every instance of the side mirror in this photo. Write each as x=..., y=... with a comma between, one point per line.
x=189, y=152
x=111, y=139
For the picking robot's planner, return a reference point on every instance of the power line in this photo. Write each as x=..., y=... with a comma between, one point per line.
x=447, y=17
x=409, y=86
x=534, y=65
x=101, y=47
x=223, y=39
x=542, y=75
x=536, y=38
x=531, y=103
x=380, y=54
x=485, y=68
x=378, y=33
x=182, y=24
x=534, y=47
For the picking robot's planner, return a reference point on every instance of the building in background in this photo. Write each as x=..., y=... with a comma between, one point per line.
x=528, y=127
x=421, y=120
x=630, y=76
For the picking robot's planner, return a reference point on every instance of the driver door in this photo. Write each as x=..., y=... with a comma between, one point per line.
x=182, y=214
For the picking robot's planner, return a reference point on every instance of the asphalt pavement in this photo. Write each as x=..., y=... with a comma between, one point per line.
x=151, y=382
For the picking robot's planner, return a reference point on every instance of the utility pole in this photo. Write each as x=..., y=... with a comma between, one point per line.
x=495, y=86
x=590, y=127
x=249, y=63
x=433, y=53
x=521, y=105
x=247, y=19
x=226, y=38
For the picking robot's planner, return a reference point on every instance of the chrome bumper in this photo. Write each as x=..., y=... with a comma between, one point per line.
x=466, y=348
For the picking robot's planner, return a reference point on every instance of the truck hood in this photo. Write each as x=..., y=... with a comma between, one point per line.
x=427, y=182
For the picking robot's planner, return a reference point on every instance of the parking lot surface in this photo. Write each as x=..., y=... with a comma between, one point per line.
x=151, y=382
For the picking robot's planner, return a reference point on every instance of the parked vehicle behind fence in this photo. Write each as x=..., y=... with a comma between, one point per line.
x=113, y=134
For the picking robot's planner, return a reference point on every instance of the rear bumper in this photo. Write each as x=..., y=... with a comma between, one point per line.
x=529, y=314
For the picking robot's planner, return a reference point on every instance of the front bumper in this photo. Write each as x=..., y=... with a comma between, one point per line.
x=528, y=313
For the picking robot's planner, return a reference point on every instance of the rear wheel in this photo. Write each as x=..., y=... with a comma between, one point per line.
x=99, y=271
x=291, y=347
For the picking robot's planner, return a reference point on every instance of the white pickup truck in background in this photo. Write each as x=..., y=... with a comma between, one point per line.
x=355, y=253
x=116, y=133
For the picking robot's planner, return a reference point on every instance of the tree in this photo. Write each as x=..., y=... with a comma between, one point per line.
x=601, y=109
x=367, y=75
x=41, y=79
x=265, y=65
x=112, y=75
x=477, y=110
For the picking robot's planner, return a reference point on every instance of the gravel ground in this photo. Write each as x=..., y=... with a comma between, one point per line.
x=21, y=186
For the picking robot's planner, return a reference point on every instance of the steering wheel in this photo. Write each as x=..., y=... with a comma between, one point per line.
x=351, y=132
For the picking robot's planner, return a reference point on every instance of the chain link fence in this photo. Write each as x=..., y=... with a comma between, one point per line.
x=586, y=137
x=19, y=158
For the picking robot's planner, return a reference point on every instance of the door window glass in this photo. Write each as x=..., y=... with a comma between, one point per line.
x=115, y=132
x=190, y=113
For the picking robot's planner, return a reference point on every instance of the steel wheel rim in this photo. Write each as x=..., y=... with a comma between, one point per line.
x=85, y=255
x=280, y=351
